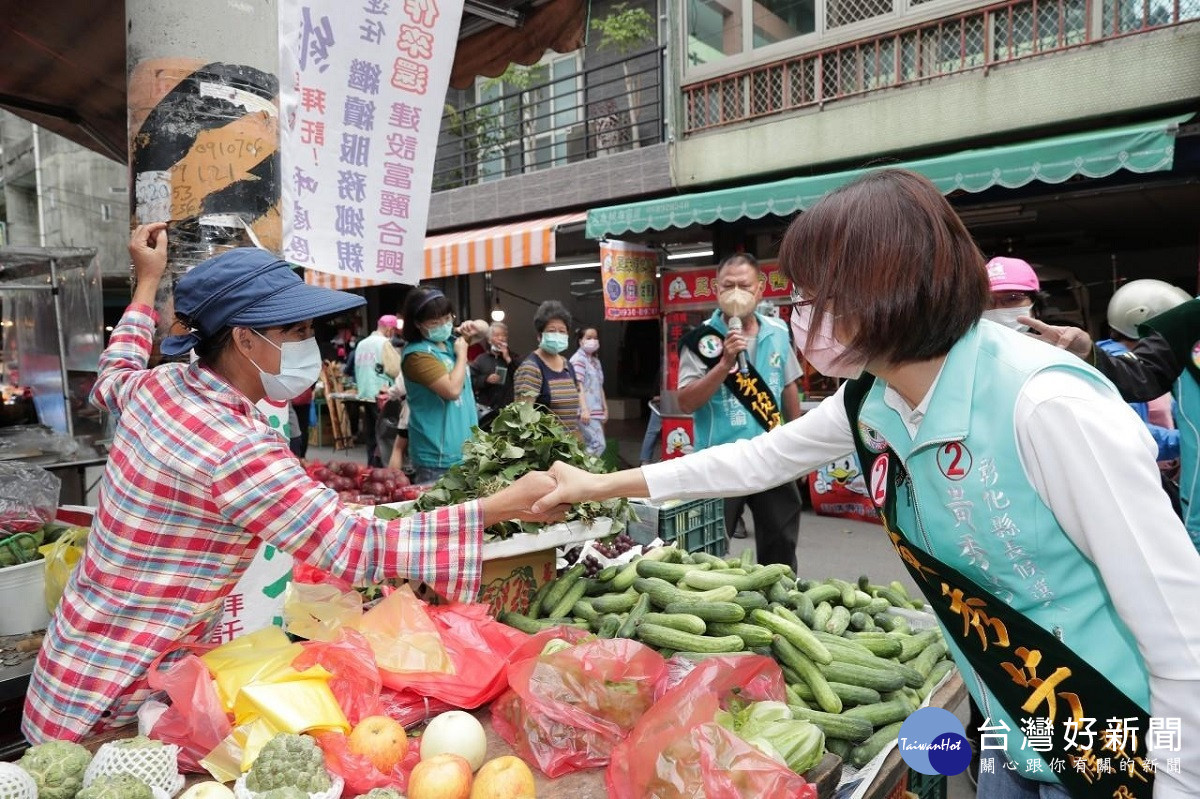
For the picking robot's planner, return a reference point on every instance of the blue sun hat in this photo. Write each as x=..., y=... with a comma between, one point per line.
x=248, y=287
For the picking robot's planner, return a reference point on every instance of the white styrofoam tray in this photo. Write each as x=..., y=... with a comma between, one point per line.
x=554, y=535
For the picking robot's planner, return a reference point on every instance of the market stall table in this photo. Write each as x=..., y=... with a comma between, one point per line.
x=589, y=784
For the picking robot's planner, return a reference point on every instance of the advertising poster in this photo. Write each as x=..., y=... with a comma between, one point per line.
x=630, y=286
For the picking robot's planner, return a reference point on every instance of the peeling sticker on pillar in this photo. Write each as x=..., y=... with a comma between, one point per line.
x=204, y=155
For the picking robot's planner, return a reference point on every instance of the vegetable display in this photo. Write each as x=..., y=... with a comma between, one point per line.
x=523, y=439
x=852, y=664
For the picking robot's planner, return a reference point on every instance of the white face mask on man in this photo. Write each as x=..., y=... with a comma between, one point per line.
x=1008, y=316
x=299, y=368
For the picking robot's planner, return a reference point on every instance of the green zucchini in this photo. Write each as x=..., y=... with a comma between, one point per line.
x=539, y=596
x=861, y=621
x=936, y=674
x=823, y=592
x=838, y=747
x=726, y=612
x=710, y=559
x=865, y=752
x=821, y=615
x=625, y=577
x=758, y=580
x=663, y=593
x=677, y=621
x=911, y=647
x=615, y=603
x=883, y=713
x=854, y=674
x=752, y=634
x=850, y=695
x=634, y=618
x=797, y=635
x=533, y=626
x=561, y=586
x=803, y=605
x=834, y=725
x=827, y=700
x=572, y=595
x=665, y=637
x=750, y=600
x=894, y=599
x=929, y=656
x=584, y=609
x=671, y=572
x=839, y=620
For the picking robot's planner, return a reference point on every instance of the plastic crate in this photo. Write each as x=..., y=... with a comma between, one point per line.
x=698, y=525
x=926, y=786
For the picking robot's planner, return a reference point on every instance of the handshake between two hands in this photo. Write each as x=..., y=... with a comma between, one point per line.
x=541, y=496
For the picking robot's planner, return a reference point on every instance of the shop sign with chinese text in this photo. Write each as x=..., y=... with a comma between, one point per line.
x=630, y=287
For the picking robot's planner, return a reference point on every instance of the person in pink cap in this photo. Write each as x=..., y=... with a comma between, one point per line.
x=1014, y=287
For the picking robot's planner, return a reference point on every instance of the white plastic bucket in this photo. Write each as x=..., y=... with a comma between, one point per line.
x=22, y=595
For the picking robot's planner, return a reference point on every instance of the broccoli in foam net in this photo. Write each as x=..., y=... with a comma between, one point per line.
x=116, y=786
x=289, y=761
x=57, y=767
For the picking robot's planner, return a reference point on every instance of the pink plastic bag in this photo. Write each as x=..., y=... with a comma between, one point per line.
x=567, y=709
x=355, y=682
x=678, y=751
x=479, y=649
x=359, y=773
x=195, y=721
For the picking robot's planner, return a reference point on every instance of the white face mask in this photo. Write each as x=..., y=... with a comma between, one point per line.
x=299, y=368
x=589, y=345
x=1008, y=316
x=827, y=355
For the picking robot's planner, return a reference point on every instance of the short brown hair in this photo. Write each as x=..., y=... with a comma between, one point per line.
x=887, y=253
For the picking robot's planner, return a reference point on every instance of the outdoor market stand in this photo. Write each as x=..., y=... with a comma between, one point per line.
x=589, y=784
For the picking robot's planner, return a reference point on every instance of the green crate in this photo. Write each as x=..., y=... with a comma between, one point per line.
x=698, y=525
x=927, y=786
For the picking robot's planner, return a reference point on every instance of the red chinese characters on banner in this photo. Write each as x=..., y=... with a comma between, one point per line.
x=698, y=288
x=627, y=272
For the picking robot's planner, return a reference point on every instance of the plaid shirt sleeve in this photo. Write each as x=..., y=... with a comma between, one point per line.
x=263, y=489
x=125, y=357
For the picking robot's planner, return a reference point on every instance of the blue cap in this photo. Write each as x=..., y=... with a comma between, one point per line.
x=248, y=287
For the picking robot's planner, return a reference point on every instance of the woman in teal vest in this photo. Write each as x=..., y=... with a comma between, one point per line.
x=1019, y=489
x=441, y=403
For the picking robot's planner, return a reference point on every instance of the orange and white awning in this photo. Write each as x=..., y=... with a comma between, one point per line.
x=467, y=252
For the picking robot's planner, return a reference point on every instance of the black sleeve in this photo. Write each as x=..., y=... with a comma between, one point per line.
x=1147, y=371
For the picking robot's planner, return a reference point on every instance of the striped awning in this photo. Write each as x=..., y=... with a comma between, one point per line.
x=506, y=246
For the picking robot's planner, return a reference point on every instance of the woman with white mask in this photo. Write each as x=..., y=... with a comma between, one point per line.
x=591, y=379
x=1014, y=286
x=197, y=480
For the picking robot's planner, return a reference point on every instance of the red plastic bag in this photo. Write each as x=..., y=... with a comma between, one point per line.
x=678, y=751
x=355, y=682
x=195, y=721
x=479, y=649
x=568, y=708
x=359, y=773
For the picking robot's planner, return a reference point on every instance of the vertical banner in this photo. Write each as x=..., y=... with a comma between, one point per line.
x=630, y=287
x=363, y=89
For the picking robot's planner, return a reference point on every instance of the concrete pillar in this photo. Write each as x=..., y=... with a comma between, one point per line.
x=204, y=122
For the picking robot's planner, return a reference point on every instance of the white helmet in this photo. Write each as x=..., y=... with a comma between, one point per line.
x=1139, y=300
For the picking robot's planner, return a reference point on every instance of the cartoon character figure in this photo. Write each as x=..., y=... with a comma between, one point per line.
x=677, y=289
x=843, y=473
x=679, y=442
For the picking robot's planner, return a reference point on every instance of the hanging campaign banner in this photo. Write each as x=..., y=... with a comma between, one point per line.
x=630, y=287
x=363, y=86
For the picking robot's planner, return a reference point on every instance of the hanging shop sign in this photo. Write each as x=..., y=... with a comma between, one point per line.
x=698, y=287
x=363, y=89
x=630, y=287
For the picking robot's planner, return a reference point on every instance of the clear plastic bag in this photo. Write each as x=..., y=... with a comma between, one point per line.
x=28, y=497
x=569, y=707
x=676, y=750
x=403, y=636
x=317, y=611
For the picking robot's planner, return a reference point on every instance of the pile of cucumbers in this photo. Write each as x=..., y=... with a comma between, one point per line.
x=852, y=667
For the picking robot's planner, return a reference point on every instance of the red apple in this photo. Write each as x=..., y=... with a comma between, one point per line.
x=441, y=777
x=504, y=777
x=381, y=740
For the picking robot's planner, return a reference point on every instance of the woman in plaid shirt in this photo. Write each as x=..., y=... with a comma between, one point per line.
x=197, y=480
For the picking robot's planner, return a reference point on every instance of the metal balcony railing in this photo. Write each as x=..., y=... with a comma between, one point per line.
x=976, y=39
x=561, y=120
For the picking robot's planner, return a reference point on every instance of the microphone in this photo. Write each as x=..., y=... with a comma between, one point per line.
x=735, y=326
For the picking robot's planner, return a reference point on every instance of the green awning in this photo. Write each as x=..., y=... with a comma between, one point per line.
x=1146, y=147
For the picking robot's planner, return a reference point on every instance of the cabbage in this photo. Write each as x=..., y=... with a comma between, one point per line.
x=770, y=728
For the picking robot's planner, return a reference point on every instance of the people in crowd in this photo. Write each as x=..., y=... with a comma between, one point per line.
x=586, y=363
x=372, y=378
x=730, y=402
x=1018, y=488
x=546, y=378
x=1015, y=292
x=197, y=479
x=492, y=374
x=441, y=400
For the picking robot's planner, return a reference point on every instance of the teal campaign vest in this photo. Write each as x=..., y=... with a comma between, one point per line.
x=1187, y=416
x=368, y=379
x=723, y=418
x=437, y=428
x=964, y=499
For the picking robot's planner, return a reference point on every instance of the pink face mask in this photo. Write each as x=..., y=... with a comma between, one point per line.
x=827, y=355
